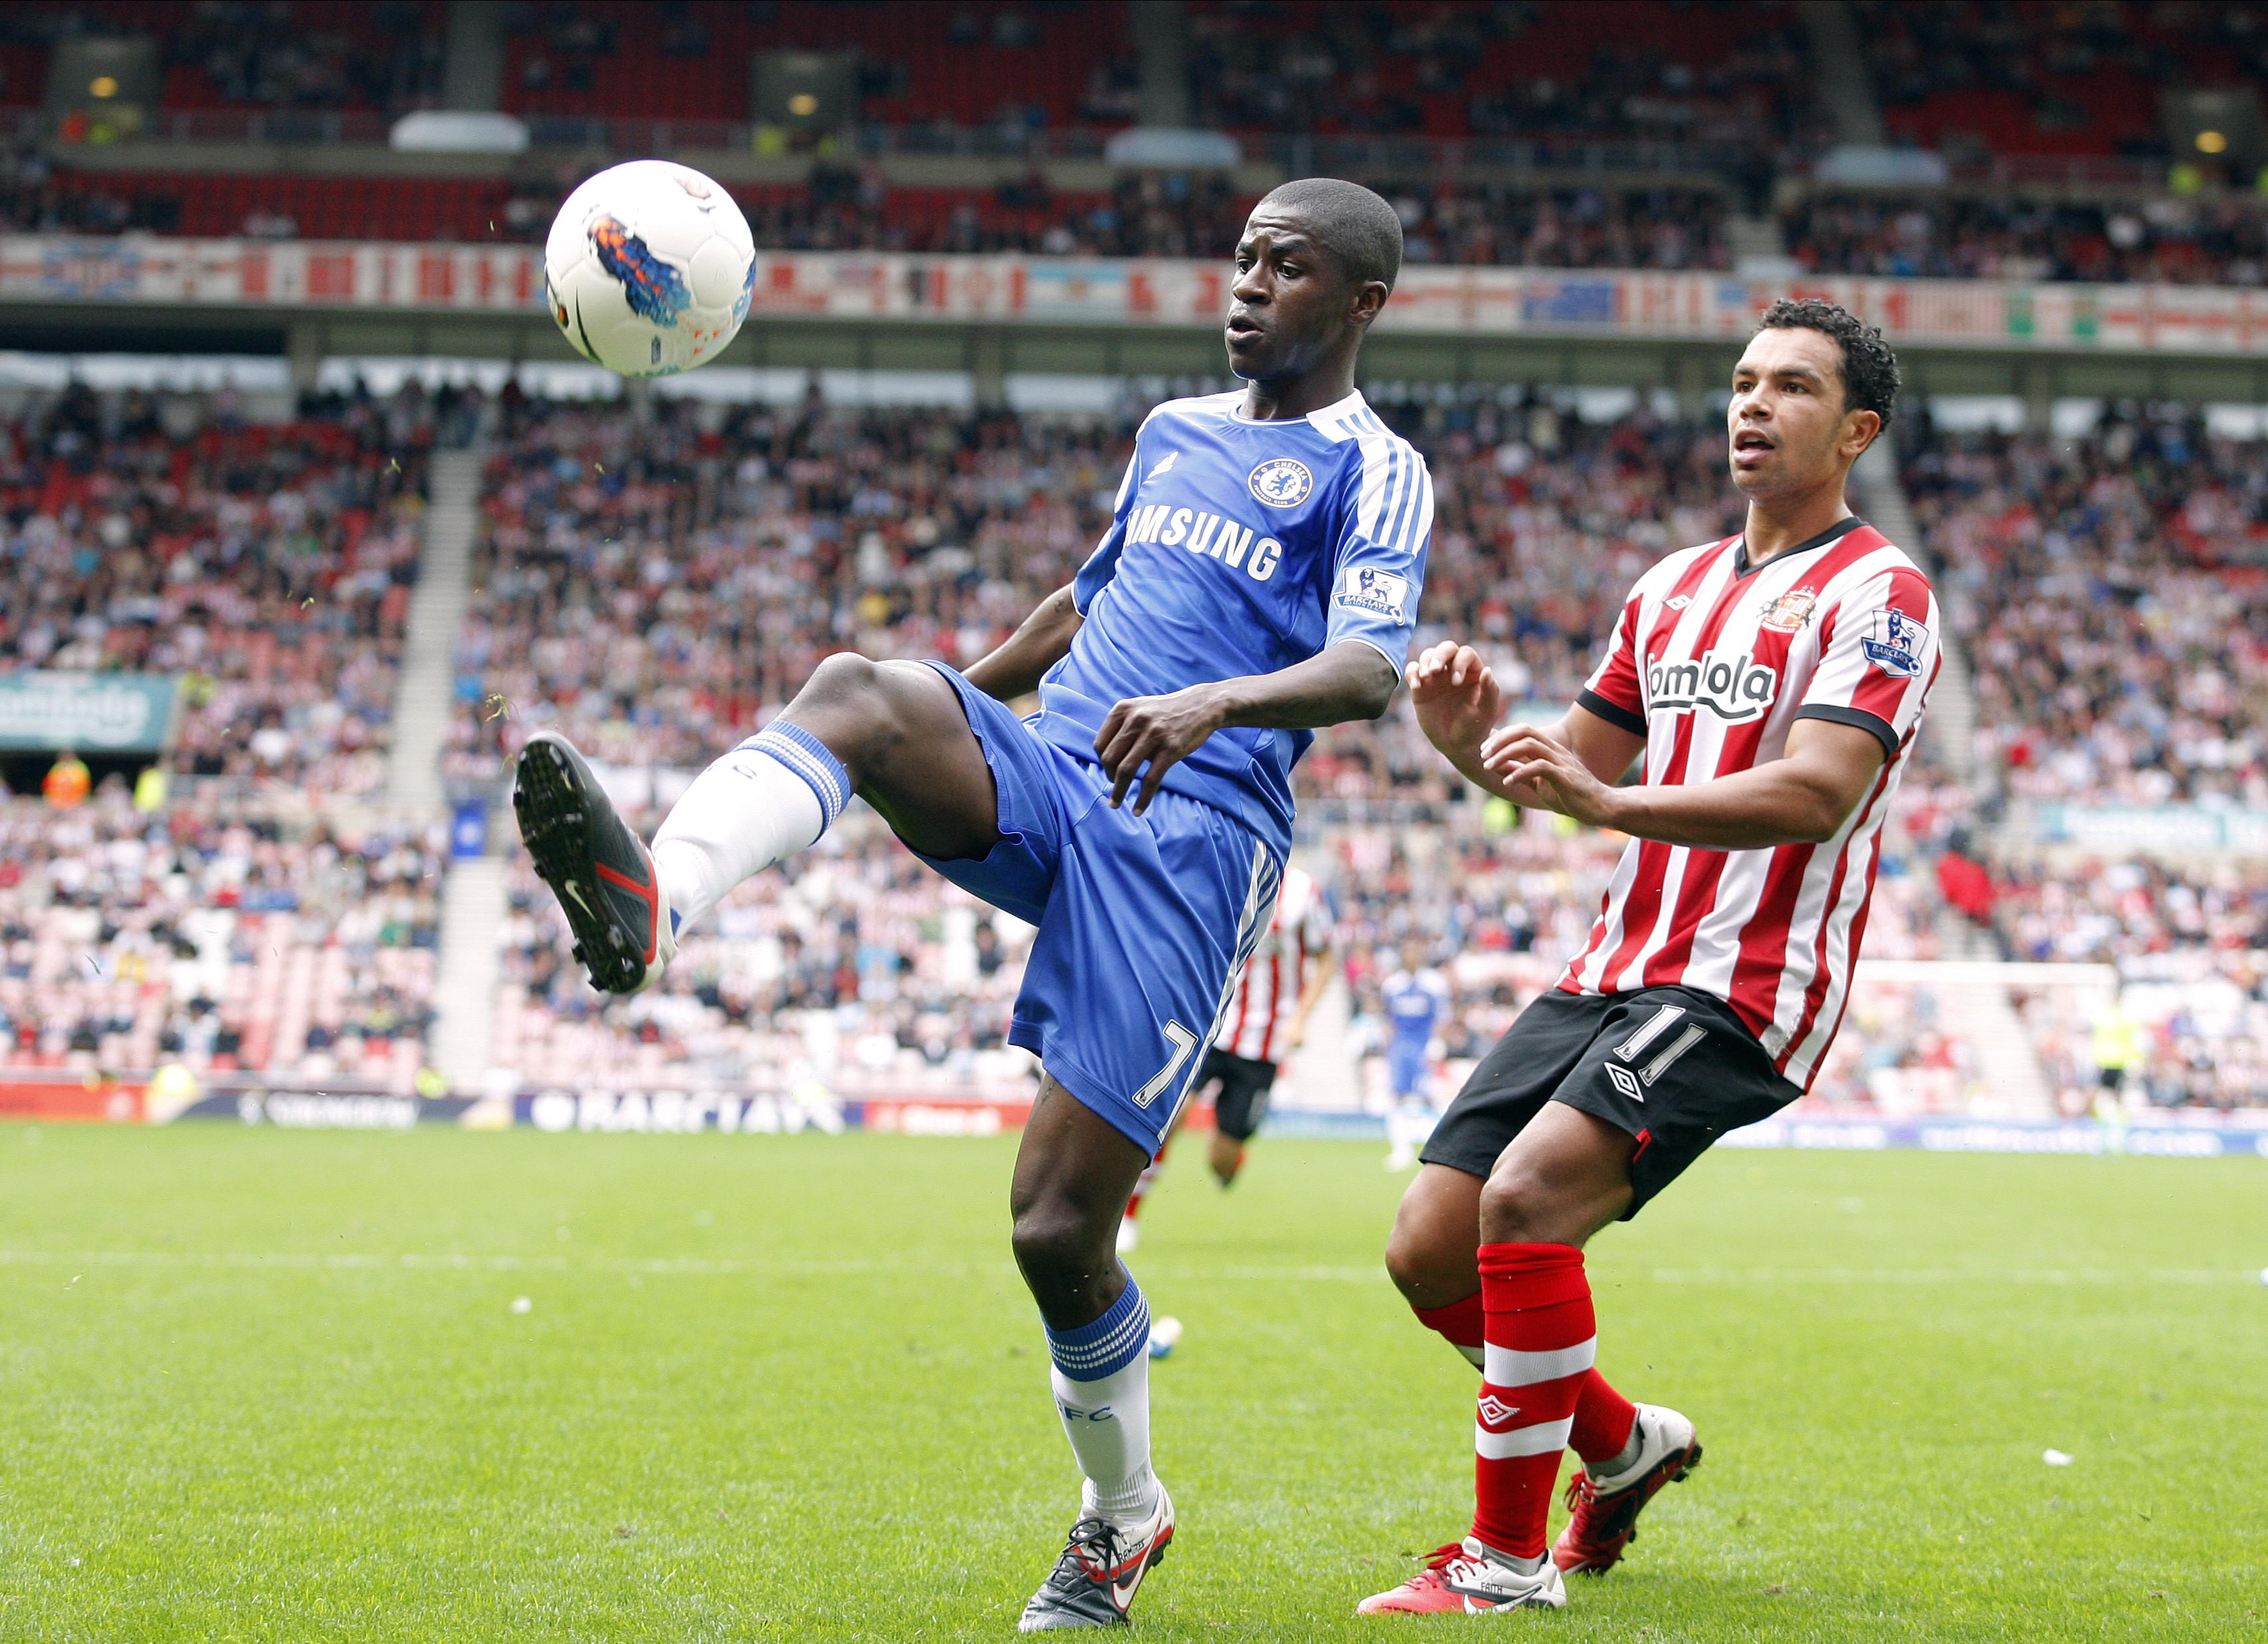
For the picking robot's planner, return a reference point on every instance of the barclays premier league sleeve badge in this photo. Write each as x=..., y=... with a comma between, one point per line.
x=1379, y=593
x=1895, y=643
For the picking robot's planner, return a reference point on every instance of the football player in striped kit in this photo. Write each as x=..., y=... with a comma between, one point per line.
x=1774, y=681
x=1266, y=1021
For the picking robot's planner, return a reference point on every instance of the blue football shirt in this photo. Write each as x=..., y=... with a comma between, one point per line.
x=1415, y=1004
x=1240, y=548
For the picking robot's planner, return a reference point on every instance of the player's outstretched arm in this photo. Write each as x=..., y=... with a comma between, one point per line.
x=1804, y=797
x=1458, y=703
x=1013, y=668
x=1143, y=737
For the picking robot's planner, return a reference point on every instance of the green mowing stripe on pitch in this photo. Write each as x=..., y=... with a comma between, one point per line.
x=271, y=1386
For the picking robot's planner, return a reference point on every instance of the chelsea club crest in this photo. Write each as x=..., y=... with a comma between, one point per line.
x=1282, y=482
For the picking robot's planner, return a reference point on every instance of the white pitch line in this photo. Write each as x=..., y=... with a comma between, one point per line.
x=710, y=1267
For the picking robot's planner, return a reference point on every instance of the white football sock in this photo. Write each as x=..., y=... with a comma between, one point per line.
x=771, y=797
x=1102, y=1379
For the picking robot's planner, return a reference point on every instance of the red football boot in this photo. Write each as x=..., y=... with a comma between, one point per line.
x=1605, y=1506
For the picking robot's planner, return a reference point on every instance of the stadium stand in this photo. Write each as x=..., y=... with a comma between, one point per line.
x=913, y=534
x=246, y=54
x=2222, y=242
x=2133, y=909
x=270, y=567
x=221, y=933
x=2025, y=77
x=979, y=62
x=2109, y=593
x=1703, y=78
x=856, y=970
x=655, y=579
x=839, y=209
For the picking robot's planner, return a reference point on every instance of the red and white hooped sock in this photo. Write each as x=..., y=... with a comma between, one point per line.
x=1541, y=1339
x=1604, y=1421
x=1603, y=1417
x=1460, y=1323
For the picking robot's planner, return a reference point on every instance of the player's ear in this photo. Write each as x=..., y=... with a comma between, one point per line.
x=1369, y=301
x=1859, y=429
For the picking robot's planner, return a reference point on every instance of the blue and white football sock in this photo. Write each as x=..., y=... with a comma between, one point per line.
x=1102, y=1379
x=771, y=797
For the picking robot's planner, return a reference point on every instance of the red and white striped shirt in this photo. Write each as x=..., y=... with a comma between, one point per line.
x=1712, y=663
x=1268, y=993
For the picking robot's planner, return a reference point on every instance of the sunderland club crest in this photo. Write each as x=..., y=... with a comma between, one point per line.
x=1791, y=613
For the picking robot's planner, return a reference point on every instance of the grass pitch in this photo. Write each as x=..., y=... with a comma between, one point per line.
x=273, y=1386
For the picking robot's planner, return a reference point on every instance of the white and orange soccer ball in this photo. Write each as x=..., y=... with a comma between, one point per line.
x=649, y=268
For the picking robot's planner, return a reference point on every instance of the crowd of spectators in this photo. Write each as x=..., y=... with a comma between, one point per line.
x=2000, y=236
x=217, y=933
x=2184, y=1022
x=2109, y=593
x=267, y=567
x=657, y=586
x=1165, y=215
x=1147, y=214
x=853, y=969
x=657, y=579
x=2134, y=909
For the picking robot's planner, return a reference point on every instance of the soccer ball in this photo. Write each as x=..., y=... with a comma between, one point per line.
x=649, y=268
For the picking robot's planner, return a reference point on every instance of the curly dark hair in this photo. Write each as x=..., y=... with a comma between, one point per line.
x=1870, y=370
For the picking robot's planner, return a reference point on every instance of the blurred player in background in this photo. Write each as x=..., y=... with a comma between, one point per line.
x=1415, y=1001
x=1267, y=1020
x=1259, y=578
x=1775, y=681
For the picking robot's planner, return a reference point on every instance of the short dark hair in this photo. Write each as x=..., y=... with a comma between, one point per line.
x=1354, y=223
x=1870, y=370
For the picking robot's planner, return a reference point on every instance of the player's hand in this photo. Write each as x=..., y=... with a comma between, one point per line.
x=1543, y=772
x=1294, y=1036
x=1146, y=736
x=1456, y=695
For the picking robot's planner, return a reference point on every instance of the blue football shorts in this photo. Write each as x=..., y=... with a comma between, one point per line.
x=1144, y=921
x=1408, y=1069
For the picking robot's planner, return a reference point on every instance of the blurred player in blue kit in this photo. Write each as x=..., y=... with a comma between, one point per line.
x=1416, y=1002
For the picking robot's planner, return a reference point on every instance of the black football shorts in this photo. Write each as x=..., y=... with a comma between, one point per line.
x=1674, y=1067
x=1244, y=1087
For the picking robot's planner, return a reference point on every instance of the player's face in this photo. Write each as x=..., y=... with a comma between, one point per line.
x=1788, y=430
x=1289, y=305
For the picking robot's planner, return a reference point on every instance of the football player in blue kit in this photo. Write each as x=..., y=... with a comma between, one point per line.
x=1416, y=999
x=1259, y=578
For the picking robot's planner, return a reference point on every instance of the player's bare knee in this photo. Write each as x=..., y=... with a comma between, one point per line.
x=850, y=703
x=845, y=680
x=1519, y=1205
x=1430, y=1264
x=1058, y=1253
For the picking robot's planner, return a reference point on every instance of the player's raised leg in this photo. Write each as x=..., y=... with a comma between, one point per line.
x=1073, y=1172
x=892, y=732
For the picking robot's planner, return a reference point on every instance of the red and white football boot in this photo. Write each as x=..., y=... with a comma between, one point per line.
x=1462, y=1578
x=1606, y=1506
